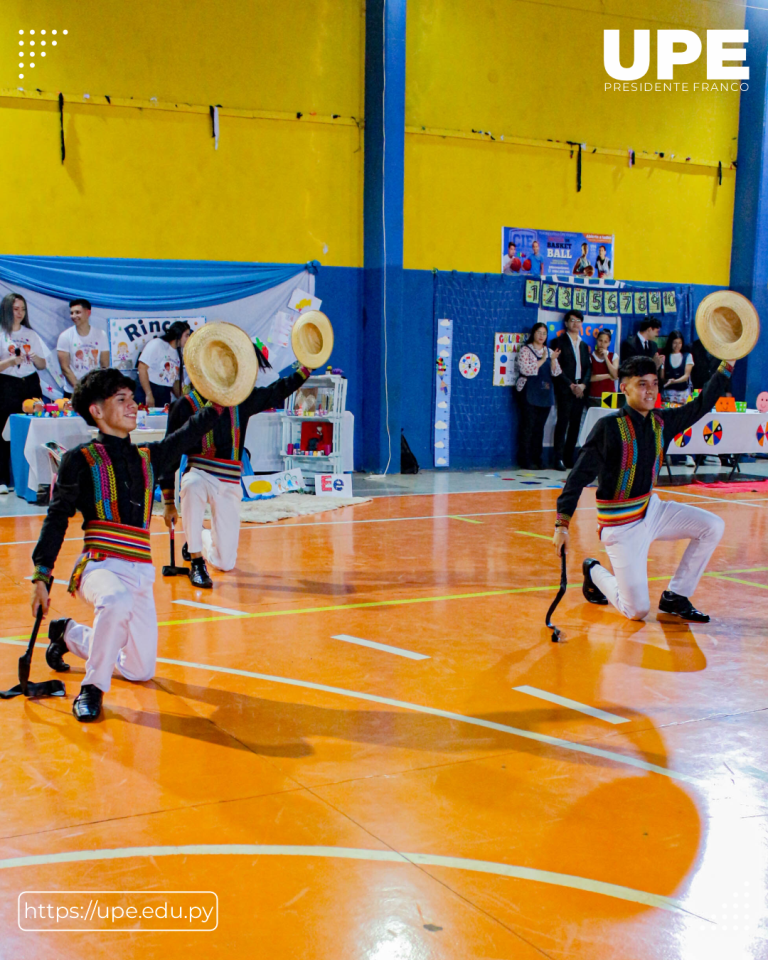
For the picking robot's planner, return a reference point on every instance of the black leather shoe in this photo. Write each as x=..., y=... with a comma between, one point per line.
x=677, y=606
x=559, y=465
x=185, y=553
x=54, y=655
x=590, y=591
x=199, y=574
x=87, y=705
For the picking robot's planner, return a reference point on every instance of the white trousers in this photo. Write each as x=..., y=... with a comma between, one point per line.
x=627, y=548
x=219, y=544
x=124, y=631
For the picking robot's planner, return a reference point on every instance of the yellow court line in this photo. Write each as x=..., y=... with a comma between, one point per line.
x=527, y=533
x=465, y=519
x=748, y=583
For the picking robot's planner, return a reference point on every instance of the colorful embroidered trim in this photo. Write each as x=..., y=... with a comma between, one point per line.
x=658, y=431
x=725, y=367
x=105, y=485
x=628, y=457
x=562, y=520
x=43, y=575
x=105, y=539
x=209, y=447
x=229, y=471
x=616, y=513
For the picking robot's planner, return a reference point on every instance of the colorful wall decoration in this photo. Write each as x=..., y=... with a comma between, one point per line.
x=443, y=392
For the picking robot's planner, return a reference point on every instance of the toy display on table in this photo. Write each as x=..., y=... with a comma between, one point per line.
x=36, y=407
x=313, y=402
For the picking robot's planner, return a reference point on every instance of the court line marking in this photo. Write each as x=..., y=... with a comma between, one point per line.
x=209, y=606
x=571, y=704
x=356, y=853
x=464, y=519
x=399, y=651
x=527, y=533
x=445, y=714
x=701, y=496
x=433, y=711
x=748, y=583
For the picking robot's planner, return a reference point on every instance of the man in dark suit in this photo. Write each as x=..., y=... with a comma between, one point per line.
x=643, y=343
x=571, y=388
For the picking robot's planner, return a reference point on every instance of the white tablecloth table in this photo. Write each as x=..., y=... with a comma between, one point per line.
x=263, y=438
x=739, y=432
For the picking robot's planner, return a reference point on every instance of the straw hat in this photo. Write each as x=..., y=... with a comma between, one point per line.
x=727, y=325
x=221, y=363
x=312, y=339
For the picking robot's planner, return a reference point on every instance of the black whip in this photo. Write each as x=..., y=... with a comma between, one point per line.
x=560, y=594
x=25, y=686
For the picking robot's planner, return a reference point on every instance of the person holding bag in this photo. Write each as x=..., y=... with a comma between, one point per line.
x=537, y=365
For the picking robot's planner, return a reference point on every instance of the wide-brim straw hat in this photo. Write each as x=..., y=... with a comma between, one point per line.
x=221, y=363
x=727, y=325
x=312, y=339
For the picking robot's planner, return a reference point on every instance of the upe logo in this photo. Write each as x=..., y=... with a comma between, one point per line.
x=688, y=50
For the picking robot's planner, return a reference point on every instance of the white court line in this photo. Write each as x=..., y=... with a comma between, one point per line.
x=433, y=711
x=571, y=704
x=355, y=853
x=381, y=646
x=210, y=606
x=64, y=583
x=701, y=496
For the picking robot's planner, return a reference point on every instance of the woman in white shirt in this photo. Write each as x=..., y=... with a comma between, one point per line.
x=159, y=365
x=22, y=354
x=677, y=370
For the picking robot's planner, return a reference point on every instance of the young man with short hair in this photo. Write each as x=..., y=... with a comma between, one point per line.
x=625, y=452
x=571, y=387
x=643, y=343
x=81, y=348
x=112, y=483
x=212, y=474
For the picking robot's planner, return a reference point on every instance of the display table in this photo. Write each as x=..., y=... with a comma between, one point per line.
x=715, y=434
x=31, y=465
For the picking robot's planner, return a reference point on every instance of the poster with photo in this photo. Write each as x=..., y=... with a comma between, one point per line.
x=548, y=252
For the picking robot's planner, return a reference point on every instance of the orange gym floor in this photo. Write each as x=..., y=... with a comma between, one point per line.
x=348, y=801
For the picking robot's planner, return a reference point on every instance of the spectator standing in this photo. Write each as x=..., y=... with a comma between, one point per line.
x=678, y=366
x=81, y=348
x=643, y=343
x=537, y=365
x=570, y=387
x=605, y=369
x=160, y=363
x=22, y=354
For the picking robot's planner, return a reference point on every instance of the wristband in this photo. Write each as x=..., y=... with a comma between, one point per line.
x=726, y=367
x=169, y=498
x=563, y=520
x=43, y=575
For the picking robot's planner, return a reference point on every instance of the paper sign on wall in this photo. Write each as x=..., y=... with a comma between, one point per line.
x=505, y=349
x=443, y=392
x=333, y=485
x=301, y=300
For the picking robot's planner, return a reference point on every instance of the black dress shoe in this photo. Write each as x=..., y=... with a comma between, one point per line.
x=87, y=705
x=199, y=574
x=590, y=591
x=677, y=606
x=559, y=465
x=185, y=553
x=54, y=655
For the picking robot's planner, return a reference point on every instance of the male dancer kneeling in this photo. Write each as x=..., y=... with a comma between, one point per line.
x=625, y=453
x=213, y=474
x=112, y=483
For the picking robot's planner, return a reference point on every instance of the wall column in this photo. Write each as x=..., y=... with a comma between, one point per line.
x=749, y=256
x=383, y=233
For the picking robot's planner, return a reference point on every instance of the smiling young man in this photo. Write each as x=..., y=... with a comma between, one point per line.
x=111, y=482
x=625, y=453
x=81, y=348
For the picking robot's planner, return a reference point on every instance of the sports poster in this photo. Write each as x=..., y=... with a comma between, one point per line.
x=542, y=253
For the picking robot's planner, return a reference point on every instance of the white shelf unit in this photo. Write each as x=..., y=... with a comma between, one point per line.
x=320, y=399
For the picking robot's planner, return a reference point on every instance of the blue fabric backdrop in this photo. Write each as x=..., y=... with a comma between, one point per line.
x=148, y=285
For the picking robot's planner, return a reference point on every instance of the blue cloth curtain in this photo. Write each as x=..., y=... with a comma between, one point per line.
x=146, y=284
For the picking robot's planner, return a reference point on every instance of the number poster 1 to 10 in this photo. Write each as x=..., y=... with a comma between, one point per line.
x=505, y=350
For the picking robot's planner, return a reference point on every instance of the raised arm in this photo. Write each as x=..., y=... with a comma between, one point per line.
x=165, y=453
x=264, y=398
x=680, y=418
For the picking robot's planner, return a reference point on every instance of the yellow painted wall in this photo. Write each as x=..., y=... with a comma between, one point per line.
x=535, y=70
x=148, y=183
